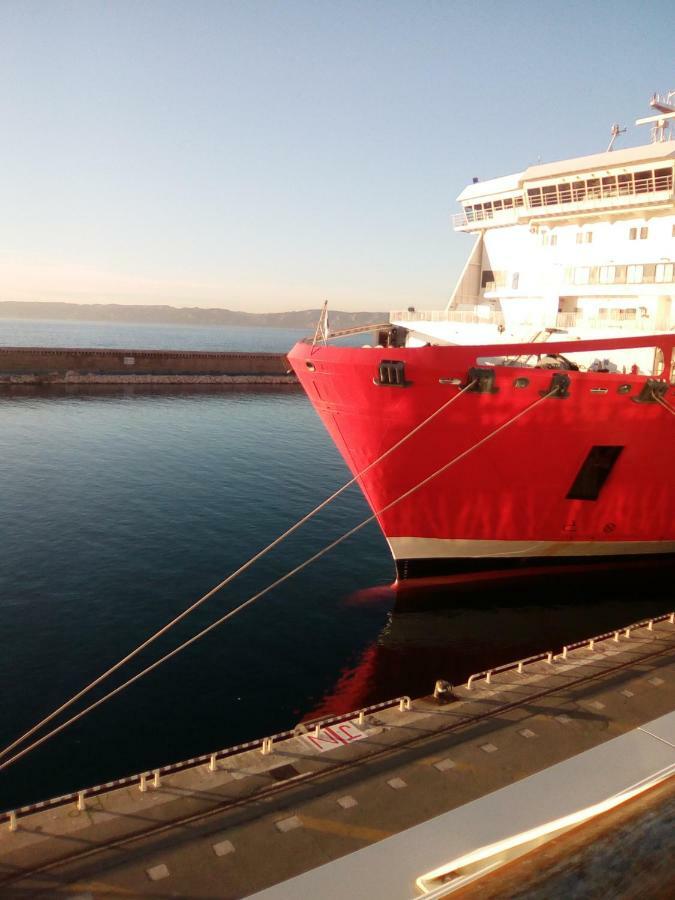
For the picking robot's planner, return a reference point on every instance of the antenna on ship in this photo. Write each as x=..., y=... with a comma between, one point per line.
x=616, y=131
x=662, y=123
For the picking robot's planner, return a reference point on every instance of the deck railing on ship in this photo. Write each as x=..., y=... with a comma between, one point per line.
x=576, y=193
x=475, y=316
x=621, y=319
x=572, y=197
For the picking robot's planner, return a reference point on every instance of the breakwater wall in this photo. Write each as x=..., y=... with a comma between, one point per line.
x=69, y=365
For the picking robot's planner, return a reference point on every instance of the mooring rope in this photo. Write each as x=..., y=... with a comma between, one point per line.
x=276, y=583
x=165, y=628
x=663, y=403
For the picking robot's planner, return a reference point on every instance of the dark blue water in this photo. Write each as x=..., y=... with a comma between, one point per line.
x=119, y=507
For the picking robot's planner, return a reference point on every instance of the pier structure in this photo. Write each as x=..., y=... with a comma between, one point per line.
x=423, y=797
x=72, y=365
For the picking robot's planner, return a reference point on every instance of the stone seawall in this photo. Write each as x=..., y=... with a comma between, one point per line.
x=65, y=365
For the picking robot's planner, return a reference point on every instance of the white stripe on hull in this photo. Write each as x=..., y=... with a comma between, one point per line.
x=440, y=548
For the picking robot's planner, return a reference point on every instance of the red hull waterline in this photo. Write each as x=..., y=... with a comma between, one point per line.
x=584, y=475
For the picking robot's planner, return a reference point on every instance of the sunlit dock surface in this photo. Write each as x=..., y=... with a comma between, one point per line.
x=381, y=803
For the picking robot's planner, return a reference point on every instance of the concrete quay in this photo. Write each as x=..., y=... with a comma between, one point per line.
x=365, y=803
x=67, y=365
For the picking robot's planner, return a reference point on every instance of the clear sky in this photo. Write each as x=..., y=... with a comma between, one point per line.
x=270, y=155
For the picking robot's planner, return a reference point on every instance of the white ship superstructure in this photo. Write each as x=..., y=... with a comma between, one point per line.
x=583, y=247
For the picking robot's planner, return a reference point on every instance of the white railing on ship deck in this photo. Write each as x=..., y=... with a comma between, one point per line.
x=471, y=316
x=498, y=216
x=624, y=320
x=578, y=193
x=621, y=319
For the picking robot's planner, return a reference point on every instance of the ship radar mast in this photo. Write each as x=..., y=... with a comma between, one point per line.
x=662, y=122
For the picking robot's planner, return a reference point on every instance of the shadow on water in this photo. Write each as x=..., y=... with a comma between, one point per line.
x=453, y=627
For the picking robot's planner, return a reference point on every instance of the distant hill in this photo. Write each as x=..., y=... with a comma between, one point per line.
x=186, y=315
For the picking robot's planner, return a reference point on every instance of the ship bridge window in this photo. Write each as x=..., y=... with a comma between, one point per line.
x=634, y=274
x=579, y=190
x=641, y=234
x=534, y=196
x=625, y=184
x=487, y=278
x=565, y=193
x=607, y=274
x=644, y=182
x=663, y=179
x=593, y=188
x=550, y=194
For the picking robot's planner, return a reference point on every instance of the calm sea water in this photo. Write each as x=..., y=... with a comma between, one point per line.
x=119, y=507
x=19, y=333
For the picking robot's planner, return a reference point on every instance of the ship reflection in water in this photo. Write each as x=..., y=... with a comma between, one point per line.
x=452, y=627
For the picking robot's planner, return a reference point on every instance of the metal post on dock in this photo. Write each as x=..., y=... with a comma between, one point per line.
x=362, y=717
x=155, y=781
x=143, y=784
x=80, y=801
x=212, y=763
x=266, y=746
x=12, y=821
x=317, y=730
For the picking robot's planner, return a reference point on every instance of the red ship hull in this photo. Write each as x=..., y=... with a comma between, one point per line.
x=586, y=474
